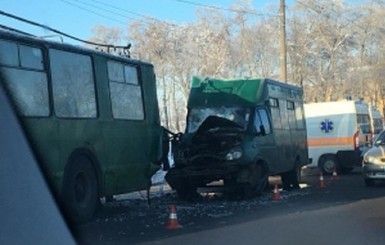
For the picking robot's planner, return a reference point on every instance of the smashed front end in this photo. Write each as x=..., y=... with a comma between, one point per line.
x=211, y=148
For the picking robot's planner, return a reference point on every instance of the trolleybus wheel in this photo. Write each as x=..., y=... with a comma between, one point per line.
x=80, y=190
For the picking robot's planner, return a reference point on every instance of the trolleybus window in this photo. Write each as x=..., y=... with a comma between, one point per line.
x=26, y=80
x=126, y=93
x=9, y=53
x=72, y=84
x=31, y=57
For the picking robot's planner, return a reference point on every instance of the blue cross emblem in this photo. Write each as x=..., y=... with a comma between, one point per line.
x=327, y=126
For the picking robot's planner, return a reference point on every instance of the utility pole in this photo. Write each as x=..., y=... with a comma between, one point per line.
x=282, y=34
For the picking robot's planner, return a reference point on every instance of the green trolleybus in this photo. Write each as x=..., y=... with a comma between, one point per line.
x=91, y=118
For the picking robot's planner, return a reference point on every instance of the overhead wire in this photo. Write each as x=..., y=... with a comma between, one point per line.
x=221, y=8
x=129, y=11
x=111, y=6
x=93, y=12
x=103, y=9
x=86, y=7
x=60, y=32
x=121, y=9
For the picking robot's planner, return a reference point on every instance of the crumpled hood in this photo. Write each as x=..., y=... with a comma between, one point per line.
x=213, y=139
x=217, y=128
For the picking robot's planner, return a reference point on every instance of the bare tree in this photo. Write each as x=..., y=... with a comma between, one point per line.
x=108, y=36
x=334, y=50
x=323, y=50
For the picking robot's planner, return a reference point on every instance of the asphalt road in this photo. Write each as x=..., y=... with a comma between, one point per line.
x=344, y=212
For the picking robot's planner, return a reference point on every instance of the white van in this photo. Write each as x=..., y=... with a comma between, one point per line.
x=338, y=134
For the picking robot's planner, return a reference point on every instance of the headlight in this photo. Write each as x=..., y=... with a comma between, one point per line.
x=234, y=155
x=368, y=159
x=365, y=160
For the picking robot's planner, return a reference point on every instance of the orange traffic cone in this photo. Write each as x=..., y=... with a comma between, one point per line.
x=321, y=183
x=276, y=194
x=334, y=175
x=172, y=223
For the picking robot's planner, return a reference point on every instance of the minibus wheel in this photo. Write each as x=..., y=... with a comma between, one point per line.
x=251, y=181
x=187, y=193
x=292, y=178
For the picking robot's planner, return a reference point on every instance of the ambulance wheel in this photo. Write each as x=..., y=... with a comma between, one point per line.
x=328, y=163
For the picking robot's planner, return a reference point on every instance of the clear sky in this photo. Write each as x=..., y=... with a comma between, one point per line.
x=78, y=17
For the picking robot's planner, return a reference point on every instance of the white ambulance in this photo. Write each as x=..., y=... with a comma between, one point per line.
x=338, y=134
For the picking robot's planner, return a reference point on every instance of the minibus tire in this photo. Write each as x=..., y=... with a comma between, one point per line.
x=187, y=192
x=292, y=178
x=258, y=181
x=80, y=190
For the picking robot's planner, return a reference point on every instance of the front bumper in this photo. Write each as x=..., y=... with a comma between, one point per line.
x=198, y=175
x=373, y=171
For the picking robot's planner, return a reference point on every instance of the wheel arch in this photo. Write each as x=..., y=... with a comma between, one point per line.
x=265, y=166
x=330, y=157
x=301, y=158
x=298, y=160
x=325, y=155
x=263, y=163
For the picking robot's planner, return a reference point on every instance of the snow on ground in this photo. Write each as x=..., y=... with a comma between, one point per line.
x=158, y=177
x=212, y=205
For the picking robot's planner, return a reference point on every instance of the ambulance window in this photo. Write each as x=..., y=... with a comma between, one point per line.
x=299, y=116
x=381, y=138
x=363, y=122
x=377, y=124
